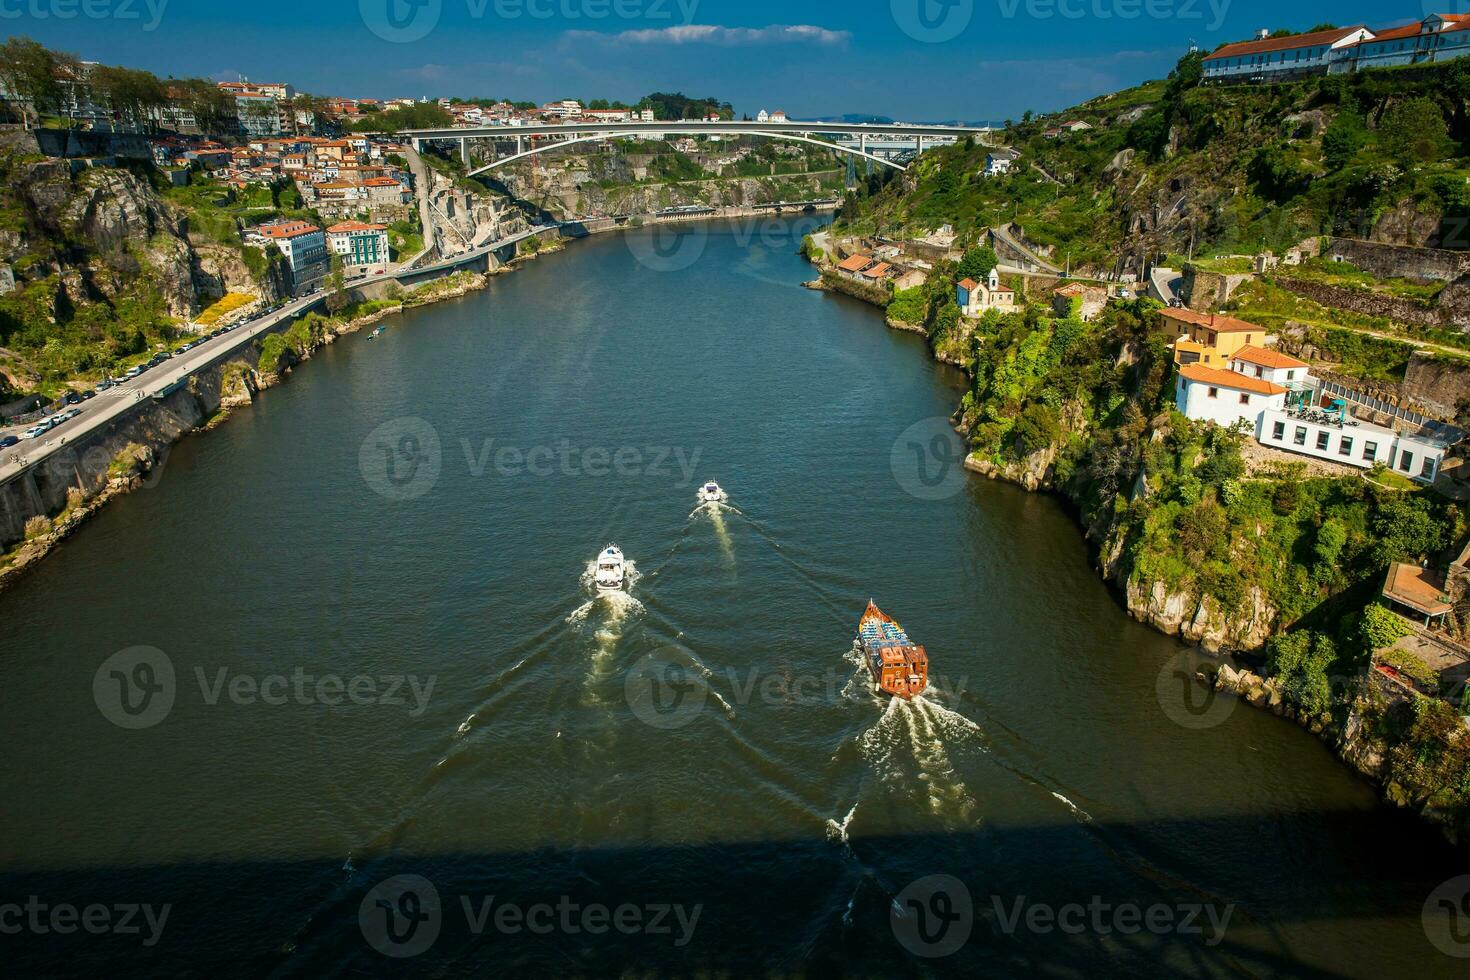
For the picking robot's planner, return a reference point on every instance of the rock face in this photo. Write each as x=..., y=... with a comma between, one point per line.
x=1200, y=619
x=102, y=231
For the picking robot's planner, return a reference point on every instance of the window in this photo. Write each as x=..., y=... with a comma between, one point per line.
x=1214, y=392
x=1324, y=439
x=1346, y=448
x=1406, y=462
x=1299, y=436
x=1427, y=470
x=1370, y=451
x=1260, y=372
x=1290, y=375
x=1245, y=399
x=1278, y=431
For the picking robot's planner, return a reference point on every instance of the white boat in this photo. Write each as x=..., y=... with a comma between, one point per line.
x=612, y=571
x=711, y=493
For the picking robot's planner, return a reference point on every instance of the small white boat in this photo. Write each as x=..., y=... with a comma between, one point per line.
x=711, y=493
x=612, y=571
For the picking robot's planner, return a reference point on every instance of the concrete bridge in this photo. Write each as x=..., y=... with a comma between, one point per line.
x=553, y=136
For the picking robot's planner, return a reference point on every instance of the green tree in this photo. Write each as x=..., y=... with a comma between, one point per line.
x=337, y=286
x=1414, y=131
x=977, y=263
x=1344, y=138
x=1300, y=660
x=35, y=75
x=1380, y=628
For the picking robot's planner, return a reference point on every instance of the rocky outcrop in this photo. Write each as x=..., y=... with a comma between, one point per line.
x=1201, y=619
x=1366, y=302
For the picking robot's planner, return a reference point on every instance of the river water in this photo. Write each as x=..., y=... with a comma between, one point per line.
x=333, y=688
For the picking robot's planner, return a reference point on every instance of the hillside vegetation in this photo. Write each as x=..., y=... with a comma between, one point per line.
x=1175, y=166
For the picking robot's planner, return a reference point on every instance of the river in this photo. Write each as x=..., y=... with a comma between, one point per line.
x=333, y=690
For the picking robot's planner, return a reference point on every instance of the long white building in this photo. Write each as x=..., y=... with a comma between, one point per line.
x=1344, y=50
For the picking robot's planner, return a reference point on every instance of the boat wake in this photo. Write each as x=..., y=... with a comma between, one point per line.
x=910, y=750
x=715, y=511
x=619, y=605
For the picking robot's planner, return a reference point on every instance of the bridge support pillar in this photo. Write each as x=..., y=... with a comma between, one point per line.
x=464, y=152
x=919, y=147
x=520, y=145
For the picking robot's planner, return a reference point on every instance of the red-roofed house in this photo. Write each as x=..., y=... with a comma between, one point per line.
x=1438, y=37
x=1225, y=397
x=359, y=244
x=1273, y=59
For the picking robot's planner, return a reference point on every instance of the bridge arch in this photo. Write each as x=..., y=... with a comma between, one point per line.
x=594, y=137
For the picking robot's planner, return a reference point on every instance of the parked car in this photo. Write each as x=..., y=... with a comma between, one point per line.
x=72, y=398
x=36, y=431
x=7, y=441
x=105, y=384
x=88, y=394
x=133, y=372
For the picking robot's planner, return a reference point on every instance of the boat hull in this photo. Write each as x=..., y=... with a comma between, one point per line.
x=899, y=667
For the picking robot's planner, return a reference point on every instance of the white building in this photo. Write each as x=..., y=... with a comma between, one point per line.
x=1271, y=59
x=359, y=244
x=975, y=298
x=1439, y=37
x=1353, y=443
x=1270, y=365
x=1225, y=397
x=1000, y=162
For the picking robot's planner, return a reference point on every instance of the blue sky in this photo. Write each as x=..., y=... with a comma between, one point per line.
x=908, y=59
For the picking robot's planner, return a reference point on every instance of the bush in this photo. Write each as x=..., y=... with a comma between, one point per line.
x=1036, y=430
x=38, y=525
x=1380, y=628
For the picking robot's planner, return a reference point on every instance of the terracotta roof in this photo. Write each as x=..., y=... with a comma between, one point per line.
x=356, y=226
x=855, y=263
x=969, y=285
x=1284, y=43
x=380, y=182
x=1217, y=378
x=1417, y=588
x=1266, y=357
x=1215, y=321
x=878, y=271
x=287, y=229
x=1398, y=33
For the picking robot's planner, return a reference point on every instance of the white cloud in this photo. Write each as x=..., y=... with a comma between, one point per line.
x=729, y=37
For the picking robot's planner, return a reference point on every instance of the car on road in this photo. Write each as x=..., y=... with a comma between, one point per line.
x=105, y=384
x=53, y=421
x=36, y=431
x=133, y=372
x=72, y=398
x=7, y=441
x=88, y=394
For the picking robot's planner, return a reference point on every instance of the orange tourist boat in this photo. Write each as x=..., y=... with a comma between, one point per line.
x=899, y=667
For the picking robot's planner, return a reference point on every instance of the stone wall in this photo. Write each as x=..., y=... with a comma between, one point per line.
x=1398, y=309
x=1437, y=384
x=1209, y=290
x=1399, y=261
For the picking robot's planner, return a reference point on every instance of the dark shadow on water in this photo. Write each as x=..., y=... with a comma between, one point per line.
x=814, y=907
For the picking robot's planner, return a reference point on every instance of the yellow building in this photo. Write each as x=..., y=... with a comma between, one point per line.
x=1210, y=339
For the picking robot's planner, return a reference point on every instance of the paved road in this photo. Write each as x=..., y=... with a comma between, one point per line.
x=109, y=405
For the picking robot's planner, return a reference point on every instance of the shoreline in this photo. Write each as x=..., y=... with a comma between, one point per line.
x=1225, y=676
x=234, y=383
